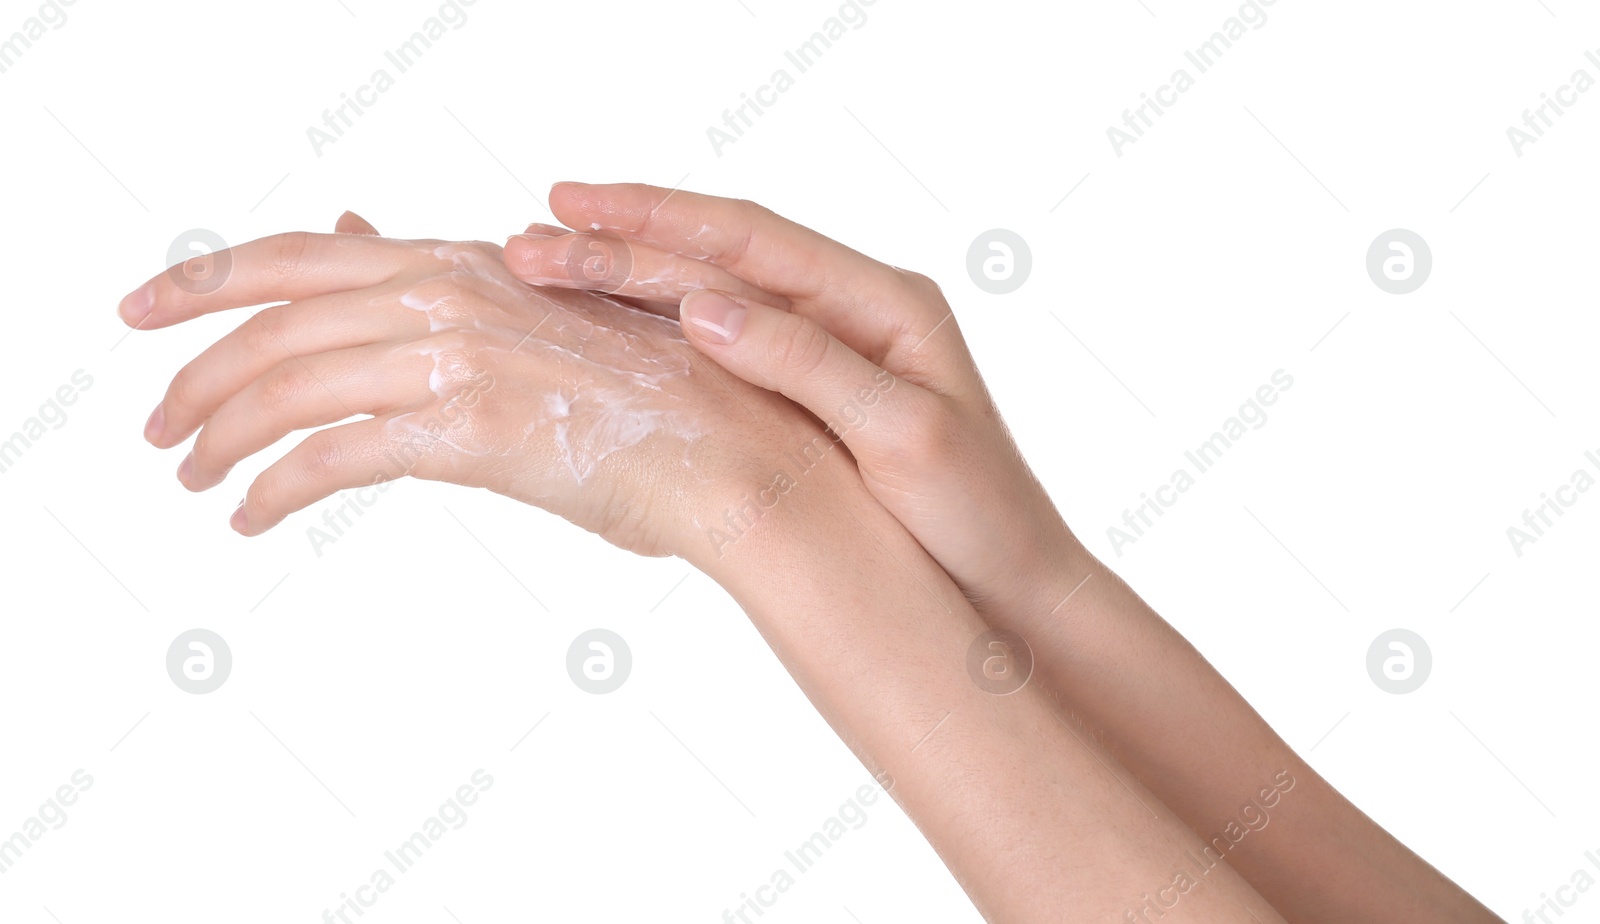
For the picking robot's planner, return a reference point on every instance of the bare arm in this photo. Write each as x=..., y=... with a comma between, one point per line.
x=1035, y=821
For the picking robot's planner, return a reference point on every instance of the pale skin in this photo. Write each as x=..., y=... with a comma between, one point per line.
x=614, y=415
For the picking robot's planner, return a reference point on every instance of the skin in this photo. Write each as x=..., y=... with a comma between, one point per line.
x=937, y=456
x=1033, y=817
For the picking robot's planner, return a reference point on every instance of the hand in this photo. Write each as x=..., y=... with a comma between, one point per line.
x=571, y=401
x=872, y=350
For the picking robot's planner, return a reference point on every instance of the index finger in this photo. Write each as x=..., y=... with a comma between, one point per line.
x=752, y=242
x=283, y=267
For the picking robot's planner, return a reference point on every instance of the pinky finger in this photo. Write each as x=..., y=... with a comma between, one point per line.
x=352, y=455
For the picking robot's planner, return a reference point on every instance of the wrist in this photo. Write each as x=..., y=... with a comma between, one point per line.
x=1043, y=577
x=756, y=527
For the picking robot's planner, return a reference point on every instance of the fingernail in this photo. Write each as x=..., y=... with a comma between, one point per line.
x=718, y=316
x=240, y=521
x=157, y=423
x=186, y=468
x=538, y=228
x=530, y=237
x=136, y=306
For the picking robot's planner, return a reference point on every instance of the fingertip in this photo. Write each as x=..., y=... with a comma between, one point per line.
x=136, y=306
x=240, y=521
x=519, y=253
x=156, y=426
x=712, y=315
x=564, y=191
x=351, y=223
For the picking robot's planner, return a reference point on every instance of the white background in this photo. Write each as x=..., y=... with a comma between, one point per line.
x=1230, y=242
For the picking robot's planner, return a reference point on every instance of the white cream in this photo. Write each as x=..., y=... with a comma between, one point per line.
x=608, y=387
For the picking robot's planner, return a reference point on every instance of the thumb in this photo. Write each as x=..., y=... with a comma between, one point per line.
x=351, y=223
x=793, y=355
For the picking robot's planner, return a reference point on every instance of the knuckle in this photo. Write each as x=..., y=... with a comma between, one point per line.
x=283, y=386
x=798, y=345
x=262, y=333
x=921, y=285
x=288, y=252
x=754, y=216
x=323, y=455
x=926, y=430
x=187, y=391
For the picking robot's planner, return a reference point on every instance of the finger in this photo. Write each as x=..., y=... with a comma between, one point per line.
x=749, y=241
x=283, y=267
x=665, y=307
x=351, y=223
x=301, y=393
x=352, y=455
x=609, y=264
x=796, y=357
x=270, y=336
x=539, y=232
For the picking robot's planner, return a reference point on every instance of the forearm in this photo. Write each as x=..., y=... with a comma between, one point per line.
x=1033, y=820
x=1192, y=739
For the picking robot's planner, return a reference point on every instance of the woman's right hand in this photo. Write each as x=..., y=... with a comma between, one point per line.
x=870, y=349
